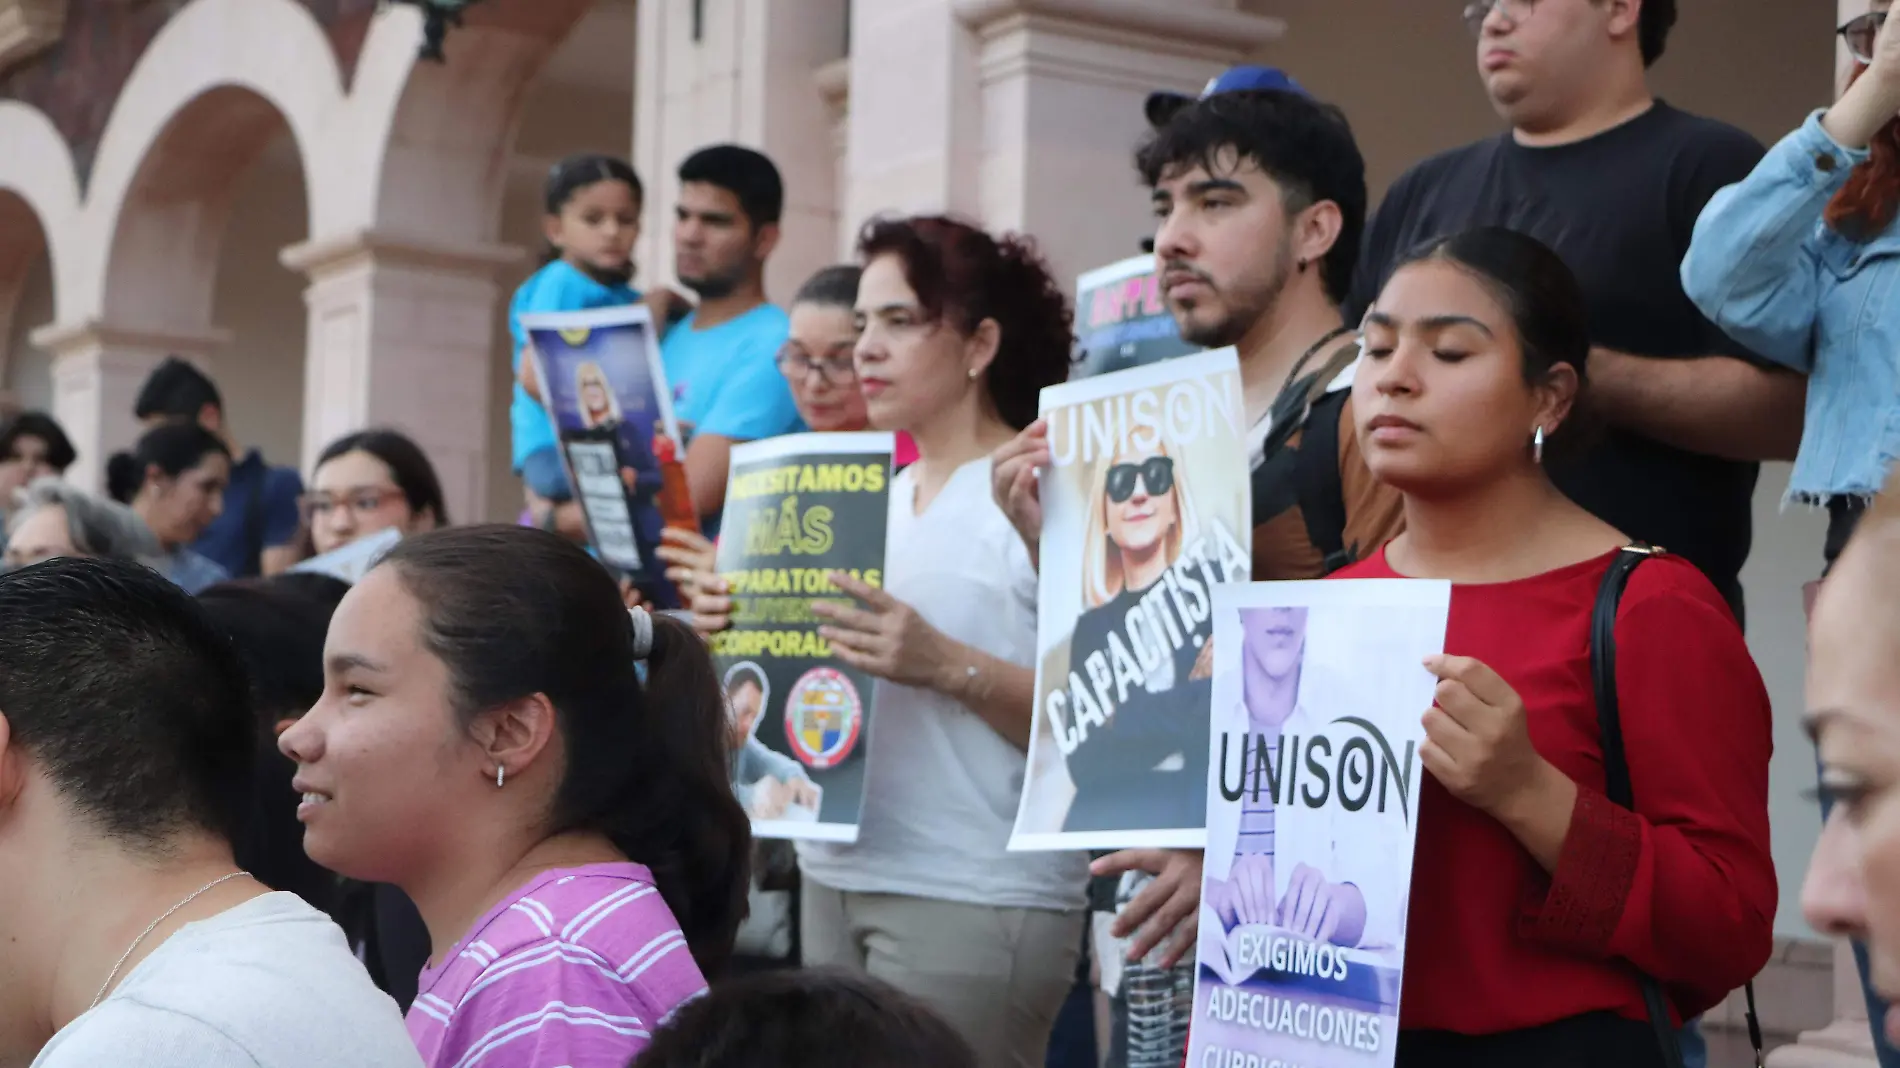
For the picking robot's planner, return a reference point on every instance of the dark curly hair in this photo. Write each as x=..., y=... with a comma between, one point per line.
x=1657, y=19
x=962, y=276
x=1306, y=147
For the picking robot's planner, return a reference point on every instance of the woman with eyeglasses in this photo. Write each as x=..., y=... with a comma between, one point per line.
x=368, y=482
x=1800, y=262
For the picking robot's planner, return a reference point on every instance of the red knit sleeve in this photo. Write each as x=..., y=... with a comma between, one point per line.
x=1684, y=888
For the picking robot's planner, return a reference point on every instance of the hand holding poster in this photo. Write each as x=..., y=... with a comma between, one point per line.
x=798, y=508
x=1123, y=320
x=1312, y=808
x=606, y=393
x=1145, y=512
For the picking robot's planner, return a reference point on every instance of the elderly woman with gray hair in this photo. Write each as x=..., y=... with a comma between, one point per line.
x=55, y=518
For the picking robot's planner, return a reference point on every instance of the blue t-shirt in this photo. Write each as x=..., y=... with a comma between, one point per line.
x=726, y=380
x=245, y=529
x=558, y=287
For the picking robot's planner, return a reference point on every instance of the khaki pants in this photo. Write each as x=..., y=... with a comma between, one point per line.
x=998, y=975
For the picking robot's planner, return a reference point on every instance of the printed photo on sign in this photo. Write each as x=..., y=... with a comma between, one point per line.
x=1145, y=514
x=606, y=393
x=799, y=508
x=1312, y=809
x=1122, y=319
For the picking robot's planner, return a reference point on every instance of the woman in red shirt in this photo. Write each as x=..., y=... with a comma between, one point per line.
x=1535, y=900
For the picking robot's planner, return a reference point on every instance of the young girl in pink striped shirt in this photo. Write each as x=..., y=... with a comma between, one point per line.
x=545, y=775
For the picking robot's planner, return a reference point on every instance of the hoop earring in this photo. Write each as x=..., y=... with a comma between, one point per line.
x=500, y=772
x=1537, y=445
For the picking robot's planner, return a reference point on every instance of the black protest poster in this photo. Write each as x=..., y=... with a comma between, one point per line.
x=798, y=508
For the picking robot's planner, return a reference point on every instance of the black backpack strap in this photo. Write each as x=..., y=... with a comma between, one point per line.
x=1616, y=770
x=1316, y=474
x=1309, y=475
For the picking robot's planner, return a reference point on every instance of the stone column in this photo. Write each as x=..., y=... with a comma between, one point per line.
x=98, y=368
x=1025, y=113
x=403, y=334
x=740, y=71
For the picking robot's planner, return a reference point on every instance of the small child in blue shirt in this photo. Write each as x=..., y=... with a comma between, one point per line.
x=593, y=219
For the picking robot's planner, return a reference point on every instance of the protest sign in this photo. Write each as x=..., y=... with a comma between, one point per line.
x=606, y=393
x=1312, y=808
x=1122, y=320
x=798, y=508
x=1145, y=512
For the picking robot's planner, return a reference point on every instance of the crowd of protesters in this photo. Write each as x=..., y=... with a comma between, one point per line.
x=474, y=806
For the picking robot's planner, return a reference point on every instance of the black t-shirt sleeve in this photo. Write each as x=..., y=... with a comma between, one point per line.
x=1715, y=157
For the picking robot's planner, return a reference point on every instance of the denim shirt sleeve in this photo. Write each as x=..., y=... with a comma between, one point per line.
x=1752, y=266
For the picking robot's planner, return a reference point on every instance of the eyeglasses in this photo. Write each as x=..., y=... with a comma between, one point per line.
x=1861, y=34
x=1156, y=473
x=358, y=501
x=835, y=367
x=1479, y=10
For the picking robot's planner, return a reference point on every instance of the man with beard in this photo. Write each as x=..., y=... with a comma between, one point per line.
x=1260, y=193
x=722, y=360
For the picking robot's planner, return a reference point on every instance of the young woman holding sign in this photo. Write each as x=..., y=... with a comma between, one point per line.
x=1536, y=901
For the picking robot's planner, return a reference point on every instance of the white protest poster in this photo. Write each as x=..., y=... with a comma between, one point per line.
x=353, y=561
x=1312, y=809
x=1146, y=509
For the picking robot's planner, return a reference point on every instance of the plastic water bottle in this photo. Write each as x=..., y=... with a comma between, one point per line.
x=676, y=499
x=1160, y=1001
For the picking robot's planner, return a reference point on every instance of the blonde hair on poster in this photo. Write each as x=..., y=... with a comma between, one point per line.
x=1104, y=573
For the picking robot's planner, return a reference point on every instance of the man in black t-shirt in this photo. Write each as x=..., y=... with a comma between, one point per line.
x=1613, y=179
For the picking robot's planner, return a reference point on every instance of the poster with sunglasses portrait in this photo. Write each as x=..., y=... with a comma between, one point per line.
x=605, y=391
x=1145, y=512
x=1313, y=782
x=1122, y=320
x=798, y=508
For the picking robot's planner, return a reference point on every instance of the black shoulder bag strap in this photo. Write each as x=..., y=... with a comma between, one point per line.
x=1616, y=771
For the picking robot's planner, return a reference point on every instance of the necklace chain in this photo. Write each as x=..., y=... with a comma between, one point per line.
x=153, y=926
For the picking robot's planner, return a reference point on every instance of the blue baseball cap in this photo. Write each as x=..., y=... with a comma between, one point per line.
x=1162, y=106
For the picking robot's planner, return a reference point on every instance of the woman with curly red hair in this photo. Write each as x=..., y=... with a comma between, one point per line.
x=960, y=333
x=1800, y=262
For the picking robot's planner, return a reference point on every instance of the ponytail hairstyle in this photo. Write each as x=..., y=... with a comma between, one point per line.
x=962, y=276
x=513, y=611
x=1866, y=205
x=173, y=448
x=576, y=173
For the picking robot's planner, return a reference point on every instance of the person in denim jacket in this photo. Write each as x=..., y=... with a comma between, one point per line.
x=1800, y=262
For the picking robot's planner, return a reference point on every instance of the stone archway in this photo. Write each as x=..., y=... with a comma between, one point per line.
x=39, y=207
x=220, y=83
x=404, y=300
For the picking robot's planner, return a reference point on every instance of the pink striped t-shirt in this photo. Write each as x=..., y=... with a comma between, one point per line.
x=577, y=968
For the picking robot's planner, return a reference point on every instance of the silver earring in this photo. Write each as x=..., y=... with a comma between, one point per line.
x=972, y=374
x=499, y=773
x=1537, y=445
